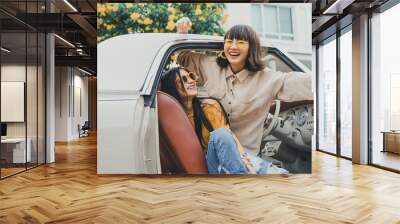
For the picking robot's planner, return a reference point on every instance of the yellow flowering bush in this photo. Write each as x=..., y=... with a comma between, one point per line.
x=115, y=19
x=170, y=26
x=135, y=16
x=147, y=21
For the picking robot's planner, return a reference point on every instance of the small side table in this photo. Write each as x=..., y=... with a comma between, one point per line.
x=391, y=141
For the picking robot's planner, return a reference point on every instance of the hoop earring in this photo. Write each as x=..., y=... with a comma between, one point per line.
x=221, y=54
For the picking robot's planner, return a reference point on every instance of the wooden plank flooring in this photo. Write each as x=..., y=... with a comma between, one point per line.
x=70, y=191
x=387, y=159
x=10, y=171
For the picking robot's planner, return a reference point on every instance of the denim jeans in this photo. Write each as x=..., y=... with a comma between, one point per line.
x=259, y=164
x=223, y=156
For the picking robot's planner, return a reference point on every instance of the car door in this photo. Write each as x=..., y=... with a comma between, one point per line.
x=152, y=84
x=127, y=136
x=129, y=69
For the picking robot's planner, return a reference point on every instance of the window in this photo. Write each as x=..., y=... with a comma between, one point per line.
x=385, y=89
x=335, y=94
x=22, y=65
x=346, y=94
x=327, y=97
x=273, y=21
x=394, y=101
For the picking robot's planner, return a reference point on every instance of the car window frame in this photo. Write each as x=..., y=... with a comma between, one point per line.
x=149, y=100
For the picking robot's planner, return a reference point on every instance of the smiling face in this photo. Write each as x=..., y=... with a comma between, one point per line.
x=189, y=89
x=242, y=49
x=236, y=52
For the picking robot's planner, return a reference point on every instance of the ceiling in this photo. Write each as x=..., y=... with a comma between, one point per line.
x=72, y=20
x=328, y=16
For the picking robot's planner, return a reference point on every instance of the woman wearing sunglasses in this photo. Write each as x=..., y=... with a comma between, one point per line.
x=224, y=153
x=239, y=79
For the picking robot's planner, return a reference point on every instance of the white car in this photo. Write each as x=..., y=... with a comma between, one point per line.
x=129, y=69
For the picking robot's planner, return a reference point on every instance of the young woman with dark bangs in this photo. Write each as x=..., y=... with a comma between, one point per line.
x=239, y=79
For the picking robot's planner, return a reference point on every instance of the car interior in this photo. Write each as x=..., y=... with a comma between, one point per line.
x=287, y=143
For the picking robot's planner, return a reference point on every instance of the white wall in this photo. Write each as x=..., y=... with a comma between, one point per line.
x=238, y=13
x=13, y=101
x=80, y=110
x=33, y=126
x=61, y=103
x=70, y=83
x=16, y=72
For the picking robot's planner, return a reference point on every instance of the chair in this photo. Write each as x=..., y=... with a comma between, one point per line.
x=180, y=149
x=84, y=130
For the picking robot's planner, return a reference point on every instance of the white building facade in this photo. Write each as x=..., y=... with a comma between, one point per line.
x=285, y=25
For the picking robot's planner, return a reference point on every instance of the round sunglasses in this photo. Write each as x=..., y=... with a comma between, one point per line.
x=191, y=75
x=239, y=43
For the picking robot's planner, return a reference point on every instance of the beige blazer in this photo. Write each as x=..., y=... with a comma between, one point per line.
x=247, y=96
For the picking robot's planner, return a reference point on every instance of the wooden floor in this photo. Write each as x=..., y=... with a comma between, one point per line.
x=387, y=159
x=70, y=191
x=5, y=172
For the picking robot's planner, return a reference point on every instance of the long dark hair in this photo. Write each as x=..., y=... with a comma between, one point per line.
x=168, y=85
x=254, y=61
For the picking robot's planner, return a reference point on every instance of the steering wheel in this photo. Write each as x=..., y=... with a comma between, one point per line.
x=270, y=123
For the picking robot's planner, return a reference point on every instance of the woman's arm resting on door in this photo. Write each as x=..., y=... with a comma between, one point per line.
x=296, y=86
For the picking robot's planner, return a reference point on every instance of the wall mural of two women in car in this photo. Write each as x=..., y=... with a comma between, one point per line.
x=245, y=118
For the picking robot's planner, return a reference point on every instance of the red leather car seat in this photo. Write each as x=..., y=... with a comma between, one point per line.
x=180, y=148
